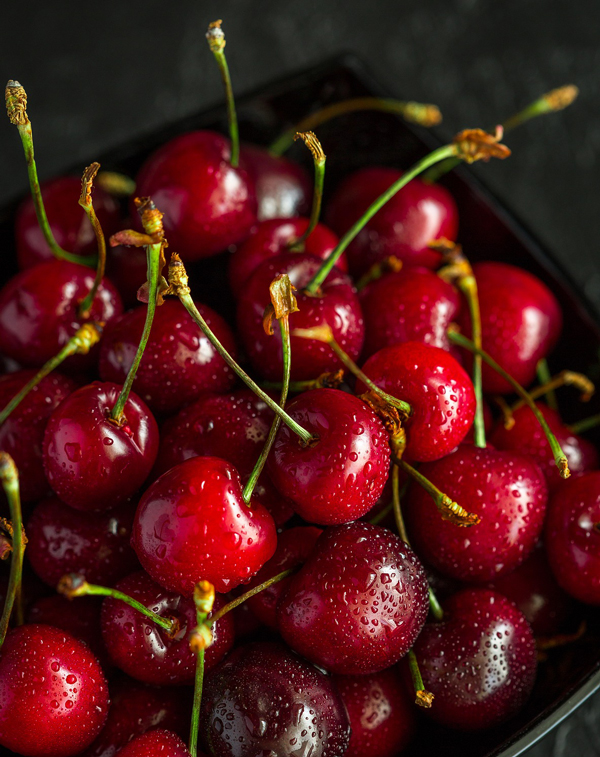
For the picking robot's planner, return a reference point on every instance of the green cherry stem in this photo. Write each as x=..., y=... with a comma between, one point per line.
x=16, y=107
x=10, y=483
x=85, y=200
x=201, y=637
x=313, y=144
x=565, y=378
x=250, y=593
x=116, y=184
x=586, y=424
x=544, y=376
x=216, y=42
x=423, y=697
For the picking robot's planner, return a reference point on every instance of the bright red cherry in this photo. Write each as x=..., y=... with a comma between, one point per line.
x=156, y=742
x=506, y=490
x=207, y=204
x=479, y=662
x=53, y=695
x=358, y=603
x=91, y=462
x=438, y=389
x=193, y=524
x=416, y=215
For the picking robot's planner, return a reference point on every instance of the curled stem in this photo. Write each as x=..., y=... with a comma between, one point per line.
x=423, y=697
x=85, y=200
x=9, y=476
x=313, y=144
x=216, y=42
x=564, y=378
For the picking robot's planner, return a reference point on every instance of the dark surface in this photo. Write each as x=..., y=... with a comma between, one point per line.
x=479, y=60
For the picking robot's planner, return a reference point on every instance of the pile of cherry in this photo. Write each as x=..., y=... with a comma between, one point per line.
x=327, y=660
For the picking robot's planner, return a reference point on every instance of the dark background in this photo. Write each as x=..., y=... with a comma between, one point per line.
x=99, y=73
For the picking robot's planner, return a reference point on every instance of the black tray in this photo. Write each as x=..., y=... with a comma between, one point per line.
x=488, y=231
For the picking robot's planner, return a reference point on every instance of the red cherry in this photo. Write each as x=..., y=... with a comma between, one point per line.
x=53, y=695
x=479, y=662
x=506, y=490
x=416, y=215
x=438, y=389
x=158, y=742
x=358, y=603
x=82, y=444
x=127, y=268
x=192, y=524
x=207, y=204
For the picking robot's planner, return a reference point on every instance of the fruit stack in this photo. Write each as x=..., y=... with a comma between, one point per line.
x=291, y=534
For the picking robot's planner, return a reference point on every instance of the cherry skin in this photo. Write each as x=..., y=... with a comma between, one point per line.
x=53, y=695
x=193, y=524
x=340, y=476
x=38, y=312
x=336, y=305
x=69, y=224
x=505, y=489
x=404, y=227
x=437, y=388
x=179, y=362
x=82, y=444
x=264, y=699
x=147, y=652
x=22, y=433
x=127, y=268
x=479, y=662
x=520, y=322
x=62, y=540
x=273, y=237
x=358, y=603
x=207, y=204
x=381, y=714
x=572, y=537
x=155, y=742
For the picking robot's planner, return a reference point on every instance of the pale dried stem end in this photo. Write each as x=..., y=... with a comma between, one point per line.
x=329, y=380
x=543, y=643
x=283, y=301
x=204, y=597
x=477, y=144
x=7, y=527
x=390, y=417
x=558, y=99
x=151, y=218
x=215, y=36
x=86, y=337
x=130, y=238
x=87, y=181
x=424, y=698
x=508, y=419
x=563, y=467
x=310, y=140
x=200, y=638
x=322, y=333
x=5, y=547
x=454, y=513
x=456, y=268
x=581, y=382
x=72, y=585
x=424, y=114
x=178, y=278
x=16, y=103
x=8, y=469
x=391, y=264
x=115, y=183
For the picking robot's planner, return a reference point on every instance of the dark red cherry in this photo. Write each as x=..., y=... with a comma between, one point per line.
x=127, y=268
x=340, y=476
x=438, y=389
x=69, y=224
x=207, y=204
x=382, y=719
x=273, y=237
x=520, y=322
x=157, y=742
x=358, y=603
x=416, y=215
x=38, y=312
x=192, y=524
x=573, y=537
x=53, y=695
x=91, y=462
x=62, y=540
x=505, y=489
x=336, y=305
x=263, y=699
x=22, y=433
x=413, y=305
x=479, y=662
x=179, y=362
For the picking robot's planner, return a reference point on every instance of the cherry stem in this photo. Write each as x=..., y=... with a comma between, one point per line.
x=248, y=594
x=383, y=513
x=419, y=113
x=204, y=597
x=391, y=264
x=586, y=424
x=216, y=42
x=544, y=376
x=85, y=200
x=16, y=106
x=313, y=144
x=197, y=702
x=559, y=456
x=423, y=697
x=328, y=380
x=80, y=343
x=564, y=378
x=10, y=483
x=116, y=184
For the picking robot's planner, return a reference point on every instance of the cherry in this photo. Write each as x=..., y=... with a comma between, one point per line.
x=336, y=305
x=127, y=268
x=62, y=540
x=520, y=322
x=264, y=699
x=53, y=696
x=22, y=433
x=340, y=476
x=207, y=204
x=416, y=215
x=479, y=662
x=83, y=444
x=147, y=652
x=358, y=603
x=179, y=362
x=157, y=742
x=573, y=537
x=192, y=524
x=505, y=489
x=381, y=715
x=437, y=388
x=38, y=312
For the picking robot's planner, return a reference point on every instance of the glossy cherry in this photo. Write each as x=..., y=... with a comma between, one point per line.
x=358, y=603
x=127, y=268
x=192, y=524
x=53, y=695
x=479, y=662
x=264, y=699
x=156, y=742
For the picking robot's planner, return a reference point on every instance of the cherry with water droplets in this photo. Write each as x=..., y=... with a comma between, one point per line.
x=156, y=742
